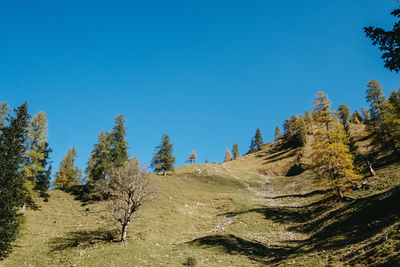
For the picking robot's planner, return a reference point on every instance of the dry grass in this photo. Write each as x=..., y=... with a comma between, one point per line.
x=229, y=215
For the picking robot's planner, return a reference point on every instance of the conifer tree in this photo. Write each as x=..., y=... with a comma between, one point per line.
x=192, y=158
x=258, y=141
x=3, y=113
x=12, y=157
x=68, y=174
x=43, y=177
x=375, y=98
x=388, y=42
x=163, y=159
x=296, y=130
x=382, y=123
x=278, y=133
x=119, y=149
x=308, y=120
x=36, y=162
x=100, y=161
x=300, y=137
x=356, y=118
x=344, y=113
x=331, y=159
x=110, y=151
x=235, y=150
x=228, y=156
x=321, y=111
x=252, y=147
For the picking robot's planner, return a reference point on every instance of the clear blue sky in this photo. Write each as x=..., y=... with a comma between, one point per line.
x=208, y=73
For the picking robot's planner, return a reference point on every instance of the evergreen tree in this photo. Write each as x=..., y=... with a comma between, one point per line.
x=296, y=131
x=3, y=113
x=119, y=149
x=375, y=98
x=331, y=159
x=252, y=147
x=43, y=177
x=100, y=161
x=300, y=138
x=278, y=133
x=258, y=141
x=365, y=115
x=356, y=118
x=388, y=42
x=12, y=190
x=382, y=122
x=344, y=113
x=228, y=156
x=110, y=151
x=163, y=159
x=68, y=174
x=37, y=140
x=192, y=158
x=321, y=111
x=235, y=151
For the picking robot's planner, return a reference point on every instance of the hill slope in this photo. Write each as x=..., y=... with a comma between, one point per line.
x=229, y=215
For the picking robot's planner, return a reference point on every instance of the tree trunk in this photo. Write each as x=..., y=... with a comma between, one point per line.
x=123, y=232
x=340, y=193
x=371, y=171
x=164, y=173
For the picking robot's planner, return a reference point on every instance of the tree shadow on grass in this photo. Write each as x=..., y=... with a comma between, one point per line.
x=309, y=194
x=330, y=225
x=83, y=239
x=238, y=246
x=85, y=193
x=353, y=223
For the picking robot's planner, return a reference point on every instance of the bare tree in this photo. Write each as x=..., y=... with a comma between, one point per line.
x=228, y=156
x=192, y=158
x=128, y=188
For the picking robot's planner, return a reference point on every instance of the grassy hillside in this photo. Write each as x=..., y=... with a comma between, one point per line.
x=229, y=215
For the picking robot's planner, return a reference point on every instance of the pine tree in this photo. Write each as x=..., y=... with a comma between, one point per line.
x=12, y=157
x=119, y=149
x=278, y=133
x=68, y=174
x=356, y=118
x=110, y=151
x=258, y=141
x=321, y=111
x=375, y=98
x=235, y=151
x=228, y=156
x=37, y=140
x=252, y=147
x=192, y=158
x=43, y=177
x=381, y=124
x=300, y=138
x=344, y=113
x=388, y=41
x=296, y=130
x=331, y=159
x=100, y=161
x=3, y=113
x=163, y=159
